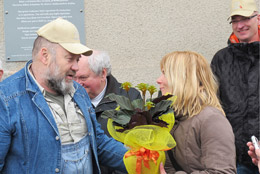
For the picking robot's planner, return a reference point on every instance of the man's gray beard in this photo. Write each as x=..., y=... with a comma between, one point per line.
x=57, y=83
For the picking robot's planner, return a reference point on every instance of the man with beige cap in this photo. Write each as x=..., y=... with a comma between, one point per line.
x=47, y=123
x=237, y=69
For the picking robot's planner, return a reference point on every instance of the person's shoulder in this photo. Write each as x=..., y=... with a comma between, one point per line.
x=14, y=85
x=13, y=80
x=210, y=109
x=210, y=113
x=212, y=116
x=221, y=52
x=79, y=89
x=133, y=90
x=113, y=86
x=214, y=123
x=221, y=57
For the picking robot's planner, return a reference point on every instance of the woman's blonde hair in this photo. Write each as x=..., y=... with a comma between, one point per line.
x=190, y=78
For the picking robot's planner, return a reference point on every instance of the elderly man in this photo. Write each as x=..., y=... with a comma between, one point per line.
x=1, y=70
x=47, y=123
x=95, y=76
x=237, y=69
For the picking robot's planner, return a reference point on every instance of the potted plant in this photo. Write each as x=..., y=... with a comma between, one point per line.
x=144, y=126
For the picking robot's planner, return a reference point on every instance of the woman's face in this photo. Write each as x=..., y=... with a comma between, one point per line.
x=162, y=81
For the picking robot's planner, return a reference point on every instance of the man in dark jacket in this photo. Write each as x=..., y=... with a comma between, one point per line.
x=237, y=69
x=95, y=76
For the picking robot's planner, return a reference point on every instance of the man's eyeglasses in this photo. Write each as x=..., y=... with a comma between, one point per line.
x=245, y=19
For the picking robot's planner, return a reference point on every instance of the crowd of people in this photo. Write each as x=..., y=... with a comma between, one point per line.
x=50, y=111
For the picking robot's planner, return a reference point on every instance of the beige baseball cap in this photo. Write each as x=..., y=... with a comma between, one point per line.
x=243, y=7
x=66, y=34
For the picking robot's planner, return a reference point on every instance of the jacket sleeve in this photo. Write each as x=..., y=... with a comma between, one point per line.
x=216, y=63
x=213, y=63
x=5, y=133
x=110, y=151
x=215, y=67
x=218, y=153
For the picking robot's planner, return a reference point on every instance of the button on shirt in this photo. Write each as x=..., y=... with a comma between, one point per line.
x=71, y=122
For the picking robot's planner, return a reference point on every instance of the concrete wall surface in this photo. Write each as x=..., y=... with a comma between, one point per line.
x=138, y=33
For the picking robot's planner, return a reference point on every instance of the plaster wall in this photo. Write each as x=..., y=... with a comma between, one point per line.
x=137, y=34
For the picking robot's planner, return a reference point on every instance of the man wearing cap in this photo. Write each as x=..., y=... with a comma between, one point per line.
x=237, y=69
x=47, y=123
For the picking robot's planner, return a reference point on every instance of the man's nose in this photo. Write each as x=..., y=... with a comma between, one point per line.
x=240, y=23
x=75, y=66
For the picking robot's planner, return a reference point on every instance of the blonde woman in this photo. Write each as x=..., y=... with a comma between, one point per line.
x=205, y=140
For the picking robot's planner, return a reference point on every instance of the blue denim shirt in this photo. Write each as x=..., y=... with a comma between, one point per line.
x=29, y=137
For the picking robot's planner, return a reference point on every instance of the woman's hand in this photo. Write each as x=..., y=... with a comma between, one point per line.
x=162, y=171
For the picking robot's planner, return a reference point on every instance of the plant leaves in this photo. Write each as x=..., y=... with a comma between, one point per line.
x=122, y=101
x=119, y=117
x=161, y=107
x=138, y=103
x=164, y=97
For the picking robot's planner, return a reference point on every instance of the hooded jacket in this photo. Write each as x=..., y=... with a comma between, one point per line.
x=237, y=70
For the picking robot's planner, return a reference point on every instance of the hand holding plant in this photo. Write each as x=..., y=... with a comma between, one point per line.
x=144, y=126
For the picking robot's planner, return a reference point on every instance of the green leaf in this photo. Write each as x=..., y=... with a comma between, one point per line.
x=161, y=107
x=109, y=114
x=122, y=101
x=121, y=117
x=138, y=103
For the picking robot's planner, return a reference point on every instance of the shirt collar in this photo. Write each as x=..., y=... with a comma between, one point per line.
x=95, y=101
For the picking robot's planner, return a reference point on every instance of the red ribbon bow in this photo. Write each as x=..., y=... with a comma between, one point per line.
x=144, y=155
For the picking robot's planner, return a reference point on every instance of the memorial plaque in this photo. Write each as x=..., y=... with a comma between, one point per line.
x=24, y=17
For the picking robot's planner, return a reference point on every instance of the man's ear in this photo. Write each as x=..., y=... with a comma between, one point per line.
x=104, y=73
x=1, y=74
x=45, y=56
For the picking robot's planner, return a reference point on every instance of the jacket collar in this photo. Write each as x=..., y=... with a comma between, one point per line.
x=29, y=79
x=111, y=84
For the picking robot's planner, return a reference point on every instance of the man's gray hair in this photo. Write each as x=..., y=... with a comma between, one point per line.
x=98, y=61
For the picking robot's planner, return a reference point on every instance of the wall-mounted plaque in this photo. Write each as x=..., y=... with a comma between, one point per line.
x=24, y=17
